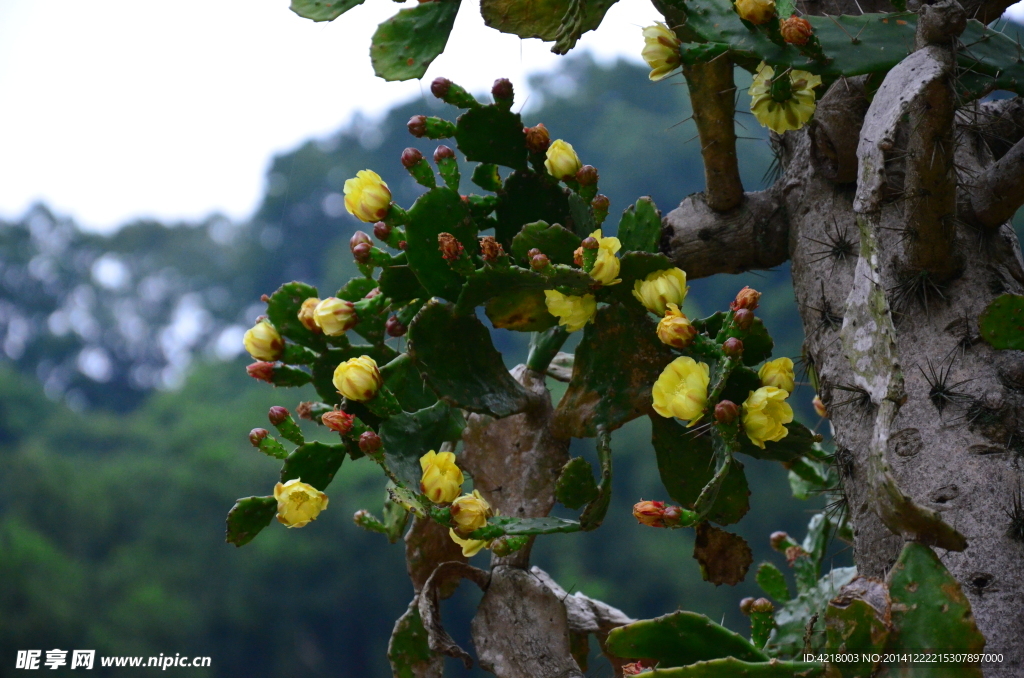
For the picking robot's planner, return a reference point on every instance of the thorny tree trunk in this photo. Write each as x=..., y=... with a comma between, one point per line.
x=888, y=216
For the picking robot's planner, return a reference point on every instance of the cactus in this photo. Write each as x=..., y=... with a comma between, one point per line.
x=408, y=436
x=557, y=242
x=404, y=45
x=730, y=667
x=247, y=517
x=323, y=10
x=857, y=622
x=640, y=226
x=1002, y=322
x=409, y=652
x=772, y=582
x=539, y=18
x=680, y=639
x=314, y=463
x=576, y=486
x=724, y=557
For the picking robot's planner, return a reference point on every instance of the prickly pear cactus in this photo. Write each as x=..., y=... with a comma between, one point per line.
x=1002, y=323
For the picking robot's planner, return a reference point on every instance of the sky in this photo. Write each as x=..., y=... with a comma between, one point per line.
x=120, y=109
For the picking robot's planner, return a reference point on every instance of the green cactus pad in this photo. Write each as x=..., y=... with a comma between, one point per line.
x=558, y=243
x=507, y=525
x=686, y=464
x=595, y=511
x=456, y=357
x=680, y=639
x=410, y=435
x=404, y=45
x=792, y=618
x=405, y=382
x=247, y=517
x=1002, y=323
x=314, y=463
x=409, y=651
x=583, y=223
x=283, y=311
x=399, y=283
x=440, y=210
x=323, y=10
x=485, y=175
x=724, y=557
x=742, y=380
x=538, y=18
x=730, y=667
x=356, y=289
x=810, y=477
x=290, y=431
x=617, y=362
x=930, y=612
x=640, y=226
x=772, y=582
x=857, y=622
x=486, y=283
x=576, y=485
x=493, y=135
x=396, y=517
x=526, y=198
x=988, y=60
x=289, y=377
x=520, y=311
x=799, y=442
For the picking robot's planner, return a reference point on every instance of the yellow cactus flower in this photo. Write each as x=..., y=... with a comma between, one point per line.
x=765, y=411
x=298, y=504
x=675, y=329
x=263, y=342
x=562, y=161
x=306, y=314
x=335, y=316
x=572, y=312
x=358, y=378
x=783, y=103
x=682, y=389
x=661, y=50
x=756, y=12
x=661, y=288
x=470, y=512
x=470, y=547
x=442, y=479
x=606, y=267
x=367, y=197
x=778, y=373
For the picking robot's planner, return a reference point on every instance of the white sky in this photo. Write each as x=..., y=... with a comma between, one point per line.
x=114, y=109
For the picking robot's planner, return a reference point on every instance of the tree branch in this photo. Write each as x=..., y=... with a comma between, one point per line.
x=712, y=98
x=999, y=190
x=703, y=242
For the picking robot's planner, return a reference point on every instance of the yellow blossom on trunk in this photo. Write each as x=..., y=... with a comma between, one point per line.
x=765, y=413
x=682, y=389
x=298, y=503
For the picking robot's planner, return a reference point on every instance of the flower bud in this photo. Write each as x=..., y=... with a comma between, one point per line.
x=359, y=238
x=793, y=553
x=338, y=421
x=262, y=371
x=361, y=253
x=601, y=202
x=306, y=314
x=372, y=293
x=263, y=342
x=439, y=88
x=661, y=288
x=537, y=138
x=358, y=379
x=639, y=666
x=656, y=514
x=743, y=319
x=756, y=12
x=442, y=152
x=778, y=373
x=562, y=161
x=382, y=231
x=395, y=327
x=470, y=512
x=733, y=347
x=533, y=252
x=442, y=479
x=367, y=197
x=590, y=243
x=278, y=414
x=577, y=256
x=745, y=606
x=675, y=329
x=257, y=435
x=417, y=126
x=726, y=412
x=298, y=503
x=502, y=90
x=762, y=605
x=587, y=175
x=410, y=157
x=490, y=249
x=795, y=30
x=746, y=298
x=402, y=245
x=539, y=262
x=819, y=407
x=449, y=246
x=335, y=316
x=369, y=442
x=778, y=540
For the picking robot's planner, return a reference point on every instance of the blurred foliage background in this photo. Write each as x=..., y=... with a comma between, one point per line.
x=125, y=409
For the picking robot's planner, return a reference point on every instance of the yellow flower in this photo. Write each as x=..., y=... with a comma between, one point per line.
x=358, y=378
x=562, y=160
x=675, y=329
x=298, y=503
x=781, y=104
x=470, y=547
x=470, y=512
x=306, y=314
x=778, y=373
x=682, y=389
x=263, y=342
x=442, y=479
x=765, y=411
x=606, y=267
x=661, y=288
x=756, y=12
x=661, y=50
x=367, y=197
x=335, y=316
x=573, y=312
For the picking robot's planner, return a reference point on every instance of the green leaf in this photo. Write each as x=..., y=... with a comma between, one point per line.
x=323, y=10
x=404, y=45
x=686, y=464
x=529, y=197
x=792, y=618
x=617, y=363
x=493, y=135
x=558, y=243
x=576, y=486
x=404, y=380
x=1002, y=323
x=799, y=442
x=408, y=436
x=640, y=227
x=283, y=311
x=314, y=463
x=538, y=18
x=440, y=210
x=730, y=667
x=679, y=639
x=247, y=517
x=772, y=582
x=456, y=357
x=409, y=651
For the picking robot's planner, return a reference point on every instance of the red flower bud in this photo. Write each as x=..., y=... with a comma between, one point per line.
x=449, y=246
x=491, y=249
x=795, y=30
x=417, y=126
x=577, y=256
x=278, y=415
x=745, y=298
x=257, y=435
x=263, y=371
x=587, y=175
x=359, y=238
x=745, y=606
x=726, y=412
x=793, y=553
x=410, y=157
x=533, y=252
x=338, y=421
x=402, y=245
x=537, y=138
x=369, y=442
x=382, y=231
x=372, y=293
x=732, y=347
x=656, y=514
x=502, y=89
x=743, y=318
x=439, y=88
x=601, y=203
x=394, y=327
x=590, y=243
x=539, y=262
x=762, y=605
x=443, y=153
x=778, y=540
x=362, y=252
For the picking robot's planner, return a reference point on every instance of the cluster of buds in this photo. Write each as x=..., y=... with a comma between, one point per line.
x=361, y=246
x=657, y=514
x=538, y=260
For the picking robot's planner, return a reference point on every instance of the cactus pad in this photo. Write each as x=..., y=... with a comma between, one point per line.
x=409, y=436
x=680, y=639
x=323, y=10
x=404, y=45
x=640, y=226
x=314, y=463
x=1002, y=323
x=556, y=242
x=576, y=486
x=492, y=134
x=440, y=210
x=247, y=517
x=772, y=582
x=409, y=651
x=538, y=18
x=724, y=557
